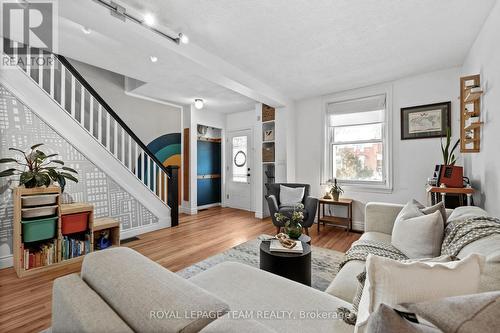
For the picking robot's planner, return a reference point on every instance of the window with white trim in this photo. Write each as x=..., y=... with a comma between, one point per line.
x=356, y=147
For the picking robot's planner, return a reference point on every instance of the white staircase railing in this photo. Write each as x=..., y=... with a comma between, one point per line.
x=60, y=80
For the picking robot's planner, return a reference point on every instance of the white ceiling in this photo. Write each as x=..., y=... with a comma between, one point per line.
x=308, y=48
x=273, y=51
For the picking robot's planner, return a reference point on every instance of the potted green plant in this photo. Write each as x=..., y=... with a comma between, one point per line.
x=293, y=228
x=448, y=155
x=336, y=190
x=36, y=169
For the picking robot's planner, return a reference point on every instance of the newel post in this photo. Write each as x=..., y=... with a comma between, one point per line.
x=173, y=193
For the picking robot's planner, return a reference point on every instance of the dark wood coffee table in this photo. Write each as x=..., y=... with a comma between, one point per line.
x=293, y=266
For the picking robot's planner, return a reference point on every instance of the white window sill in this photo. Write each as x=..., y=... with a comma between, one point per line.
x=365, y=188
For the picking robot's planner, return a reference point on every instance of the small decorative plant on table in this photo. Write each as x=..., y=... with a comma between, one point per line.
x=38, y=169
x=293, y=226
x=336, y=190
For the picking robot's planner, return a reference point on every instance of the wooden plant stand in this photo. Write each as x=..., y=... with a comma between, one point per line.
x=337, y=221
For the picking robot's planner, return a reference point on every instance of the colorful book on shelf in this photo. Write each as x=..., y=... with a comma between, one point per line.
x=39, y=255
x=72, y=248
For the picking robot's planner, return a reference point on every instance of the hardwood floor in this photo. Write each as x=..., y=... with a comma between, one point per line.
x=25, y=304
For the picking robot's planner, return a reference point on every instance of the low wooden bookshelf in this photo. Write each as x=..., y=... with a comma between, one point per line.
x=53, y=248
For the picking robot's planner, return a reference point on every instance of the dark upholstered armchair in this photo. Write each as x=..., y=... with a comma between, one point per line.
x=310, y=205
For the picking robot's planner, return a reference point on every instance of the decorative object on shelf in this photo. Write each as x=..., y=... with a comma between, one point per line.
x=293, y=226
x=470, y=113
x=103, y=241
x=425, y=121
x=41, y=169
x=335, y=190
x=269, y=135
x=447, y=173
x=268, y=152
x=268, y=113
x=285, y=240
x=449, y=157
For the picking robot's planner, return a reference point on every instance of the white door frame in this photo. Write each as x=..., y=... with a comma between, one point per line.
x=228, y=164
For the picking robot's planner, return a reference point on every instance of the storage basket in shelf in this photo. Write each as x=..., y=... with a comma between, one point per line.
x=267, y=113
x=39, y=200
x=74, y=223
x=39, y=229
x=268, y=153
x=38, y=212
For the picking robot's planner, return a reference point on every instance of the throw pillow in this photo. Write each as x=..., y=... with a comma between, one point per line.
x=392, y=282
x=462, y=314
x=291, y=196
x=420, y=236
x=416, y=234
x=350, y=316
x=388, y=320
x=429, y=210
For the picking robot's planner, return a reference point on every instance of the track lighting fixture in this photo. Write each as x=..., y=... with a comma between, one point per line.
x=147, y=21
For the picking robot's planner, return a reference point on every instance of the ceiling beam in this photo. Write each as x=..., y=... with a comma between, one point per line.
x=136, y=38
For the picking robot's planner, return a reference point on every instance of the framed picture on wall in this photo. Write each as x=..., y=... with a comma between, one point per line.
x=425, y=121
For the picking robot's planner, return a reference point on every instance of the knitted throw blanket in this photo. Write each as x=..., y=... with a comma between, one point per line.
x=360, y=250
x=458, y=234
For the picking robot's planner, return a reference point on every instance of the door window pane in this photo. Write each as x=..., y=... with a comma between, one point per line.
x=358, y=162
x=240, y=165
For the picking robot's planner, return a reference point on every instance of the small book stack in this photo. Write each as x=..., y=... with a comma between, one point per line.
x=72, y=248
x=42, y=255
x=276, y=246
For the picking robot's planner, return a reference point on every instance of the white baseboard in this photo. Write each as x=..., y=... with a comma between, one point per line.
x=218, y=204
x=7, y=261
x=259, y=214
x=165, y=223
x=189, y=211
x=358, y=225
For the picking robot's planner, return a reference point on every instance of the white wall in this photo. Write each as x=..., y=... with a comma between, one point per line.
x=192, y=120
x=413, y=160
x=484, y=167
x=147, y=119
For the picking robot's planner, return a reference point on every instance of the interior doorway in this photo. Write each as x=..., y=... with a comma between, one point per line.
x=239, y=159
x=209, y=168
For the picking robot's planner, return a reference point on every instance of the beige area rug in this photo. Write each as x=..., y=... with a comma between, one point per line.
x=324, y=261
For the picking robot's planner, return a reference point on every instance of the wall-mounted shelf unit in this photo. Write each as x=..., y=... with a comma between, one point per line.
x=470, y=114
x=48, y=234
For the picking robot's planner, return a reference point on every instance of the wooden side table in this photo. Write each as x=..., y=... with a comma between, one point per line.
x=435, y=191
x=337, y=221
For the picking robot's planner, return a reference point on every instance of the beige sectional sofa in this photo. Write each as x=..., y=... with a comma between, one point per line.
x=119, y=290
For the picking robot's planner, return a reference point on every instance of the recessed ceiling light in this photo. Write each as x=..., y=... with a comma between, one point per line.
x=149, y=19
x=153, y=59
x=86, y=30
x=198, y=103
x=183, y=38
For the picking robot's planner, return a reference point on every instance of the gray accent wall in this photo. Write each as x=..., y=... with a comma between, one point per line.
x=21, y=128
